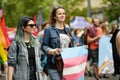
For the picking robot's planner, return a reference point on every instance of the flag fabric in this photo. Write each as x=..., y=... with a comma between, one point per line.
x=11, y=33
x=39, y=18
x=34, y=17
x=4, y=40
x=79, y=22
x=3, y=31
x=74, y=62
x=35, y=29
x=3, y=56
x=105, y=64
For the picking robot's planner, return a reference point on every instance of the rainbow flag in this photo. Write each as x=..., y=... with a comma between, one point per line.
x=4, y=40
x=3, y=56
x=3, y=31
x=74, y=62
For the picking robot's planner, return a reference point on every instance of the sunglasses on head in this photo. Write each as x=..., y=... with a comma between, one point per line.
x=31, y=25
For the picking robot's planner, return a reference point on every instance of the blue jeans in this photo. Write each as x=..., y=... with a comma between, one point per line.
x=32, y=73
x=54, y=74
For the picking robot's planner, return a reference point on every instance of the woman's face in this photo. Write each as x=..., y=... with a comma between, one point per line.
x=60, y=15
x=30, y=27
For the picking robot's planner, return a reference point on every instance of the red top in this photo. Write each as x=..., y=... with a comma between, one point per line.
x=94, y=45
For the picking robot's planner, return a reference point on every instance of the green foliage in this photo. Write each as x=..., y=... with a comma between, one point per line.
x=79, y=12
x=14, y=9
x=113, y=10
x=71, y=7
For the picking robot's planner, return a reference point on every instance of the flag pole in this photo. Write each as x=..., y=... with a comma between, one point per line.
x=89, y=8
x=2, y=5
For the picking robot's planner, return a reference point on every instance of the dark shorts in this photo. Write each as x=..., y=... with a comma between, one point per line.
x=93, y=54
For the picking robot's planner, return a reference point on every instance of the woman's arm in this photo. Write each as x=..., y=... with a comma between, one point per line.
x=12, y=53
x=118, y=43
x=45, y=44
x=89, y=39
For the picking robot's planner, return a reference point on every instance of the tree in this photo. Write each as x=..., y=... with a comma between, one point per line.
x=14, y=9
x=112, y=12
x=72, y=7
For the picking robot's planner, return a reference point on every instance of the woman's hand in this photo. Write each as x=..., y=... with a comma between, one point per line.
x=55, y=51
x=43, y=73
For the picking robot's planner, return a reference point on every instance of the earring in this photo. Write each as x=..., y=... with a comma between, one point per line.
x=24, y=30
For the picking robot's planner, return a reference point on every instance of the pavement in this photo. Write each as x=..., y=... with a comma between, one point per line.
x=111, y=77
x=2, y=76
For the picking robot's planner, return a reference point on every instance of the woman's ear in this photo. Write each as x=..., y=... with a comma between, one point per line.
x=23, y=28
x=55, y=18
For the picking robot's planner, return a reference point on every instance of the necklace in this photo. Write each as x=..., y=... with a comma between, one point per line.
x=28, y=45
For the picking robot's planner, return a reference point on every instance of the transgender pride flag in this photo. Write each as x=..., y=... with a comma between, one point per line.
x=74, y=62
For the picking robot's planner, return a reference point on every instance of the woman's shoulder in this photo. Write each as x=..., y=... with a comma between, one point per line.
x=67, y=30
x=14, y=42
x=34, y=38
x=49, y=28
x=12, y=45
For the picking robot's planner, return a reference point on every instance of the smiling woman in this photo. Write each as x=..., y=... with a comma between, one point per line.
x=24, y=53
x=56, y=37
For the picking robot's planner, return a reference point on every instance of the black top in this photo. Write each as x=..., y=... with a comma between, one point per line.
x=116, y=57
x=31, y=54
x=84, y=39
x=61, y=31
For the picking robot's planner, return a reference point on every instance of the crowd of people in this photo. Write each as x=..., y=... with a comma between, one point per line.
x=25, y=52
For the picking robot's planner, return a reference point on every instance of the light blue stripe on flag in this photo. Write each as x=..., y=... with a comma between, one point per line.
x=82, y=78
x=74, y=52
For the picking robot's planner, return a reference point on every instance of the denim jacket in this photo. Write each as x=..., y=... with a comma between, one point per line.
x=20, y=60
x=51, y=40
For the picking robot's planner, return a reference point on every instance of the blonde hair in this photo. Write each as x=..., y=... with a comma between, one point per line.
x=104, y=28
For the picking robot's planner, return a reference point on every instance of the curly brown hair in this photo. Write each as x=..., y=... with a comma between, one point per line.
x=52, y=20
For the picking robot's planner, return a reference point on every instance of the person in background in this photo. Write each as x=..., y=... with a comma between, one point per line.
x=84, y=37
x=24, y=53
x=41, y=33
x=84, y=41
x=105, y=28
x=56, y=37
x=114, y=27
x=118, y=43
x=106, y=31
x=114, y=41
x=77, y=40
x=40, y=39
x=118, y=49
x=93, y=36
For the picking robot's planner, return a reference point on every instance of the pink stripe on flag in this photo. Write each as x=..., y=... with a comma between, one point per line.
x=74, y=76
x=69, y=62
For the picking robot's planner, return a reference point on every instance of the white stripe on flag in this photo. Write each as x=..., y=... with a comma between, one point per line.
x=74, y=69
